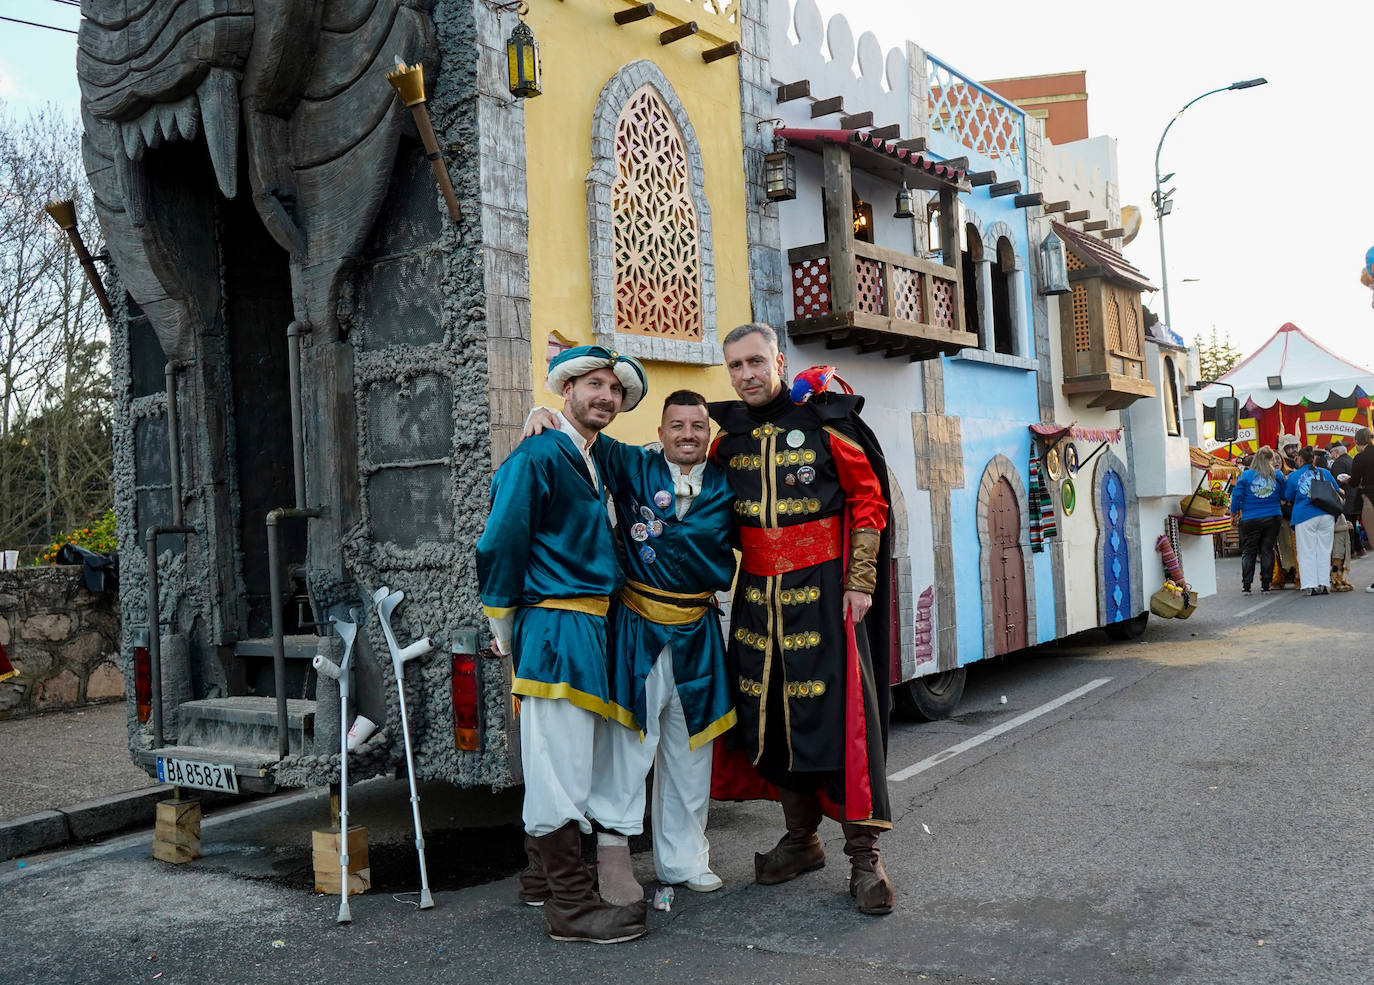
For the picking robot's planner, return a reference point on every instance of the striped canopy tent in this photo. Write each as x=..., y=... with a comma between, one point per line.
x=1294, y=385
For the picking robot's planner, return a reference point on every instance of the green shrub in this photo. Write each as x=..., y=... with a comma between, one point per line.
x=99, y=537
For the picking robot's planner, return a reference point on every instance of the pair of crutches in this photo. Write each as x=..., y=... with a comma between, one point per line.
x=386, y=602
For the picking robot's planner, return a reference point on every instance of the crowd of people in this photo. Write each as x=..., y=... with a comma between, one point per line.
x=599, y=568
x=1293, y=528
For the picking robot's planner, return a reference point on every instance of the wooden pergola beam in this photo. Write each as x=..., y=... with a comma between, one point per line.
x=978, y=178
x=631, y=14
x=887, y=132
x=789, y=91
x=1026, y=201
x=1005, y=188
x=1077, y=216
x=677, y=33
x=825, y=107
x=857, y=121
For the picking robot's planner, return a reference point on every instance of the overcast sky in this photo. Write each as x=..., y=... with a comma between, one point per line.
x=1274, y=208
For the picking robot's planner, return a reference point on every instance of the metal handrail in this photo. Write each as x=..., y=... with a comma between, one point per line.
x=274, y=517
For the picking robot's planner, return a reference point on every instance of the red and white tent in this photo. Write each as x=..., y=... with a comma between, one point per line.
x=1295, y=385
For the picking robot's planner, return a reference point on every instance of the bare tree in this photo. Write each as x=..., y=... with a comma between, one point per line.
x=54, y=382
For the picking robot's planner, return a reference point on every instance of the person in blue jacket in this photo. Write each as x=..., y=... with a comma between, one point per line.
x=1313, y=528
x=666, y=653
x=547, y=568
x=1256, y=497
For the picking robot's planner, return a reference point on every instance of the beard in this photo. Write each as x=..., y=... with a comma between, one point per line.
x=590, y=413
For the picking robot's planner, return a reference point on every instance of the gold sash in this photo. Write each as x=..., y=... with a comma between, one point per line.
x=596, y=605
x=663, y=607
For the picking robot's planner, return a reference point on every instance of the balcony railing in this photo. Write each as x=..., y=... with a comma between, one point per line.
x=975, y=117
x=878, y=300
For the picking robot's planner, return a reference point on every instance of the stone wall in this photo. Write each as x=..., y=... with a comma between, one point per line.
x=63, y=640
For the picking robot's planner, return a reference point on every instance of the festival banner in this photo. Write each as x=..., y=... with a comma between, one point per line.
x=1324, y=426
x=1246, y=443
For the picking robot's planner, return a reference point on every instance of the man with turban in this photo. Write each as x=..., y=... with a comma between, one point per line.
x=547, y=568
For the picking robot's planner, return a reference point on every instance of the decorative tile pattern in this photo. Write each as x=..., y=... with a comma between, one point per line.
x=811, y=288
x=868, y=285
x=906, y=294
x=942, y=315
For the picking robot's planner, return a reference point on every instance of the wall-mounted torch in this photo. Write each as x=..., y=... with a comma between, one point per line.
x=64, y=214
x=409, y=83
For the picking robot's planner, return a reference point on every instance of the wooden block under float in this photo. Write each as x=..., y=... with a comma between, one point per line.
x=176, y=833
x=324, y=855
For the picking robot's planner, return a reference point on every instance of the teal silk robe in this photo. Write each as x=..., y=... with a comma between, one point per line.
x=548, y=555
x=690, y=556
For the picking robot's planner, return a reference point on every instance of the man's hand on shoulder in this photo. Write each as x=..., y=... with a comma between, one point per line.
x=540, y=420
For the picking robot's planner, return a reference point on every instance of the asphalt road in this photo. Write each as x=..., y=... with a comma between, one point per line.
x=1198, y=811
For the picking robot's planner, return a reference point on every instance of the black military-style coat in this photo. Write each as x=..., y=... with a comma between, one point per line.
x=803, y=476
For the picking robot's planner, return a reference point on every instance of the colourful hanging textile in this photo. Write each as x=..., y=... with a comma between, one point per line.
x=1041, y=506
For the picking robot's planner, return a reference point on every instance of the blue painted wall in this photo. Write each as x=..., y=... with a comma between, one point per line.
x=995, y=404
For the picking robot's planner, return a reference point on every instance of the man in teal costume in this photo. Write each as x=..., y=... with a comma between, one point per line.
x=547, y=568
x=667, y=655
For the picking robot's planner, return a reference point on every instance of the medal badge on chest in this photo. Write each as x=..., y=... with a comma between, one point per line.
x=806, y=475
x=795, y=439
x=663, y=499
x=639, y=532
x=646, y=554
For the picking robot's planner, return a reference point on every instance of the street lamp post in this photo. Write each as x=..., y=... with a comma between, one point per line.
x=1162, y=200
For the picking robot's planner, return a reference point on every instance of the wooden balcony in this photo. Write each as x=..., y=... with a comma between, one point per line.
x=875, y=299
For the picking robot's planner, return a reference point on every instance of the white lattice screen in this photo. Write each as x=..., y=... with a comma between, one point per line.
x=657, y=233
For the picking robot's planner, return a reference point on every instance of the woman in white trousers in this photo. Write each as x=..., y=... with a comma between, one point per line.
x=1313, y=528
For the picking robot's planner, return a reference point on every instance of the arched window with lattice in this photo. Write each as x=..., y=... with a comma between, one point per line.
x=649, y=228
x=657, y=240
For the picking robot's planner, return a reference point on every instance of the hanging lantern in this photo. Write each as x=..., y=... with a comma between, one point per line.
x=522, y=58
x=1054, y=266
x=779, y=174
x=906, y=205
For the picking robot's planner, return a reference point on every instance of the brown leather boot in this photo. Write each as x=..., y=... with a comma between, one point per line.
x=573, y=911
x=534, y=885
x=799, y=850
x=868, y=881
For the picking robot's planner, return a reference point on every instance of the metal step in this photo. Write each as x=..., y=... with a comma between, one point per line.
x=246, y=724
x=296, y=648
x=254, y=769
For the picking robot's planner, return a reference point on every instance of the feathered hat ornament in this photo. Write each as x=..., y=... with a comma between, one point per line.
x=815, y=380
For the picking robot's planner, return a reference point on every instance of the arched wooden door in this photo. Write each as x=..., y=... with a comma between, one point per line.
x=1116, y=551
x=1008, y=572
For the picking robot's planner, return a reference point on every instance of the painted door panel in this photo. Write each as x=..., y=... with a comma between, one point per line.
x=1116, y=553
x=1008, y=574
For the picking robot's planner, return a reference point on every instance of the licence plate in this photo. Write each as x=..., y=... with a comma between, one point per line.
x=202, y=776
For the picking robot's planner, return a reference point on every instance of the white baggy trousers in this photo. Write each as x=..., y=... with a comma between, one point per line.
x=1313, y=536
x=682, y=780
x=562, y=748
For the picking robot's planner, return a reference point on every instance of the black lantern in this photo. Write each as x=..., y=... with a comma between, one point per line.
x=779, y=174
x=1054, y=266
x=906, y=205
x=522, y=57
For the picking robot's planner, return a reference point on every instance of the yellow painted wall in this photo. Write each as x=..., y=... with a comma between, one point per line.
x=581, y=48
